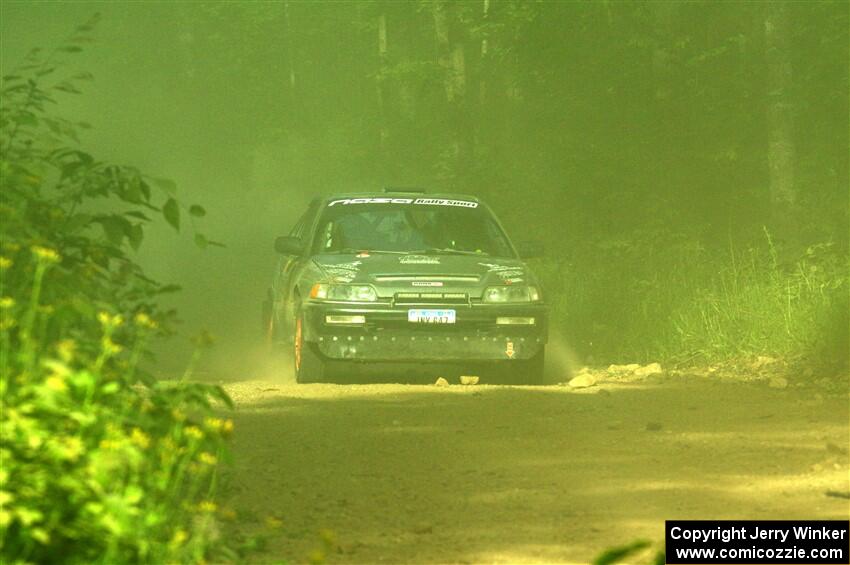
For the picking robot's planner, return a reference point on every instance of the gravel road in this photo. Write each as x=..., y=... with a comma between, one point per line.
x=393, y=473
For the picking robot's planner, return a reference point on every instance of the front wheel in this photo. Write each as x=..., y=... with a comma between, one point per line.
x=309, y=366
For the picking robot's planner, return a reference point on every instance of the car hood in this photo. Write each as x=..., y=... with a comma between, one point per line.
x=393, y=272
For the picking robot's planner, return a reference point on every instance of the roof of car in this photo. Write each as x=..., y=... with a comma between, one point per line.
x=400, y=193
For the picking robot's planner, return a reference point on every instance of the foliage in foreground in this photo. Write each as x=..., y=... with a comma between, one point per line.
x=100, y=463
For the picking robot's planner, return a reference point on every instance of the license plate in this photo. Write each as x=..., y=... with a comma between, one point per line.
x=431, y=316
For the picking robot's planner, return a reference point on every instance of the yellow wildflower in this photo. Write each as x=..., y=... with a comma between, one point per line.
x=110, y=347
x=227, y=426
x=6, y=497
x=178, y=415
x=194, y=432
x=45, y=255
x=214, y=424
x=108, y=444
x=207, y=506
x=72, y=447
x=66, y=349
x=140, y=438
x=207, y=458
x=6, y=302
x=143, y=320
x=5, y=263
x=56, y=383
x=179, y=537
x=108, y=320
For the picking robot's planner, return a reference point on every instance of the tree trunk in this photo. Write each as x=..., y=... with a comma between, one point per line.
x=441, y=29
x=382, y=82
x=482, y=74
x=290, y=56
x=780, y=150
x=452, y=60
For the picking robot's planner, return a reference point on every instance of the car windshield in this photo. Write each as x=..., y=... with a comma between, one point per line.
x=402, y=225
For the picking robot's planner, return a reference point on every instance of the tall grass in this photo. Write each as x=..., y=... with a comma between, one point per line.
x=671, y=299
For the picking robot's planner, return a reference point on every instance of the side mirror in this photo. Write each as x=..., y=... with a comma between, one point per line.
x=530, y=249
x=288, y=245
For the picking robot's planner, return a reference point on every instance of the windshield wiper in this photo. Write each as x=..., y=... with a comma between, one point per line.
x=449, y=251
x=348, y=250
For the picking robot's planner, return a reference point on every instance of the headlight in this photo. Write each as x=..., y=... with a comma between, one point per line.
x=344, y=292
x=511, y=293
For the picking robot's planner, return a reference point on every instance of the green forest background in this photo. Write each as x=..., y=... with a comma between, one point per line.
x=685, y=164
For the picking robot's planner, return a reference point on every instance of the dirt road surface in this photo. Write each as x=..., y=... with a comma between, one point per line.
x=398, y=473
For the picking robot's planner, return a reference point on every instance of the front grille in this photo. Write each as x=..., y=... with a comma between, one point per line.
x=413, y=298
x=411, y=278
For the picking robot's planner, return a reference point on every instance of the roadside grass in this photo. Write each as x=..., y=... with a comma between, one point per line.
x=679, y=303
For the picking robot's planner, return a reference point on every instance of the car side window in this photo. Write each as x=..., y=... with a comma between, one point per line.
x=296, y=230
x=305, y=221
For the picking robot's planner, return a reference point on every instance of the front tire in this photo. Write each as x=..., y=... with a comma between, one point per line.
x=308, y=365
x=268, y=327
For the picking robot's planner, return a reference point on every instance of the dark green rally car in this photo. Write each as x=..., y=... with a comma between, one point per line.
x=370, y=279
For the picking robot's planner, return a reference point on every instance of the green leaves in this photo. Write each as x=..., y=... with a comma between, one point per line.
x=115, y=228
x=135, y=236
x=617, y=554
x=197, y=211
x=171, y=213
x=202, y=241
x=25, y=119
x=167, y=185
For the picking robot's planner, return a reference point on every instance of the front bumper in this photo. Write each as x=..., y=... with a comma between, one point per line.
x=388, y=336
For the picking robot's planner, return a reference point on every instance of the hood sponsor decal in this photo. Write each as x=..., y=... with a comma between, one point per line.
x=342, y=272
x=509, y=274
x=418, y=260
x=417, y=201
